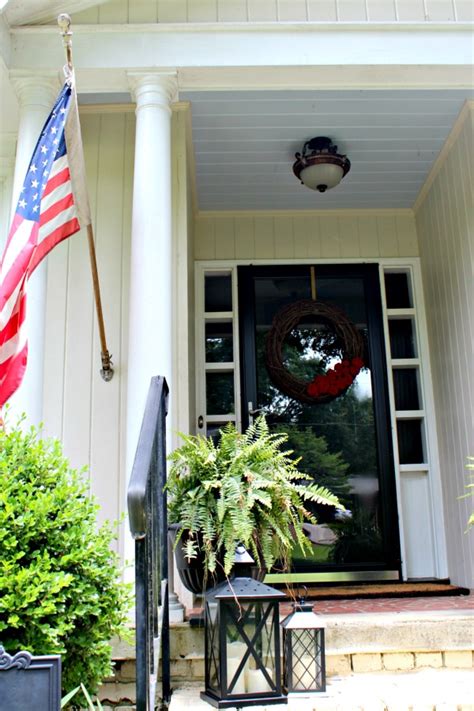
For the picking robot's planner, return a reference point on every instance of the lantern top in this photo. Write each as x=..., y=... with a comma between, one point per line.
x=244, y=589
x=303, y=618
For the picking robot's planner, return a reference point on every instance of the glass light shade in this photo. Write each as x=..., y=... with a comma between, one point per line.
x=322, y=176
x=304, y=654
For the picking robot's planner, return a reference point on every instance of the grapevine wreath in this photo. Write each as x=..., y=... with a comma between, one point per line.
x=336, y=380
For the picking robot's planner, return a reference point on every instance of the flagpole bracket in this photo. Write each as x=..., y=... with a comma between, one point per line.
x=106, y=372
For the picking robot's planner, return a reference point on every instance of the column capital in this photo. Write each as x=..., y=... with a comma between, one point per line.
x=158, y=89
x=35, y=89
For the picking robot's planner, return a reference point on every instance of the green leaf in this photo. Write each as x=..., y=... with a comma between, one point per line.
x=69, y=696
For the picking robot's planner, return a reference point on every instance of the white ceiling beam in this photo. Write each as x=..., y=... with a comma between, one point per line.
x=139, y=46
x=276, y=56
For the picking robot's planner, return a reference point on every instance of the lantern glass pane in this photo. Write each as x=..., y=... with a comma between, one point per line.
x=305, y=654
x=250, y=634
x=212, y=645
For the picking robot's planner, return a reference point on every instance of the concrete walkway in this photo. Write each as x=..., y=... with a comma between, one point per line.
x=423, y=690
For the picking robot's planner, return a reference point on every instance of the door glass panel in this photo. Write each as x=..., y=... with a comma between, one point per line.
x=219, y=393
x=336, y=440
x=217, y=293
x=397, y=290
x=219, y=342
x=402, y=338
x=410, y=442
x=405, y=385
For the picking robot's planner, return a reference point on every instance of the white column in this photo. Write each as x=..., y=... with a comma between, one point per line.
x=36, y=96
x=151, y=304
x=150, y=307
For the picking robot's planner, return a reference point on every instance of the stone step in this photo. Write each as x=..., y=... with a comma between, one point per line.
x=362, y=643
x=424, y=690
x=365, y=645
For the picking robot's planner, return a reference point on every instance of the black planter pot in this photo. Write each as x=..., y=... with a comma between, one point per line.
x=191, y=570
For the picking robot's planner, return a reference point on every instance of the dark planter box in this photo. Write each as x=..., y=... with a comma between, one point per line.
x=28, y=682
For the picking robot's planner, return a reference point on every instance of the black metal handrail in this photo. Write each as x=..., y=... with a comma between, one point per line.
x=147, y=510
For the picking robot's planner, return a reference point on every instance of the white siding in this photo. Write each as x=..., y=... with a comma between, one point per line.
x=446, y=241
x=137, y=11
x=86, y=413
x=323, y=235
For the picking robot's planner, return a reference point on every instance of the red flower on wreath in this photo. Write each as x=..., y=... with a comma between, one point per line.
x=336, y=380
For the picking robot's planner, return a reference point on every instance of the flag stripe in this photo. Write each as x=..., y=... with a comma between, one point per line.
x=14, y=344
x=56, y=209
x=18, y=242
x=11, y=373
x=13, y=278
x=61, y=177
x=16, y=320
x=54, y=238
x=65, y=216
x=60, y=162
x=9, y=306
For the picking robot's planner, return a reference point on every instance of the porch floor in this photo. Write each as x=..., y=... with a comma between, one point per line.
x=387, y=632
x=423, y=690
x=394, y=604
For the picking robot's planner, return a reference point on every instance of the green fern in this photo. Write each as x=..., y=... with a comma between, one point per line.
x=246, y=489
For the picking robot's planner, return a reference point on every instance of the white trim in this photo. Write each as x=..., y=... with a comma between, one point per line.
x=409, y=414
x=401, y=313
x=409, y=468
x=164, y=28
x=393, y=422
x=442, y=156
x=431, y=439
x=401, y=363
x=225, y=367
x=227, y=264
x=348, y=212
x=202, y=367
x=86, y=109
x=236, y=340
x=199, y=337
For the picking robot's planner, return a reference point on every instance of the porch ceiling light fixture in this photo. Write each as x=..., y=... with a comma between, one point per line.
x=320, y=167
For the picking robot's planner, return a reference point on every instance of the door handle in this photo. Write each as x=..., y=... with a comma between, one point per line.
x=252, y=412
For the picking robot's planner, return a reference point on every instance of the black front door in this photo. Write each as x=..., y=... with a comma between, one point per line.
x=345, y=444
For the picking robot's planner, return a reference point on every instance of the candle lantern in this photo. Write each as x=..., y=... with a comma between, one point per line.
x=303, y=649
x=242, y=644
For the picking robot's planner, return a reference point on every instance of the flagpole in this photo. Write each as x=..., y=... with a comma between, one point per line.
x=107, y=372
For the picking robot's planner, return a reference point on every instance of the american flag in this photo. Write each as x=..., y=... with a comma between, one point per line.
x=53, y=205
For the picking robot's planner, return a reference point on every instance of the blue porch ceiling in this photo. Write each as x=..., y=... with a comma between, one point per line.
x=245, y=141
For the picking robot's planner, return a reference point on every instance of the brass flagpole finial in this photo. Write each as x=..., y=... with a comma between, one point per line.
x=64, y=22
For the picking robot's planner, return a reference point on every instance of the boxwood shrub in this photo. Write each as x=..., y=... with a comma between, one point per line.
x=59, y=578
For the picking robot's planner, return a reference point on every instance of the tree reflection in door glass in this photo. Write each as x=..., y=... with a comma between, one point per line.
x=336, y=443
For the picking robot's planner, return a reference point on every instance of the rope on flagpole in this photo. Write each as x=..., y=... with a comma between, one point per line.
x=107, y=372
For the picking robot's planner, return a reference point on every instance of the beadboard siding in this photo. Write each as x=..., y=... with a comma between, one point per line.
x=298, y=236
x=86, y=413
x=144, y=11
x=445, y=230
